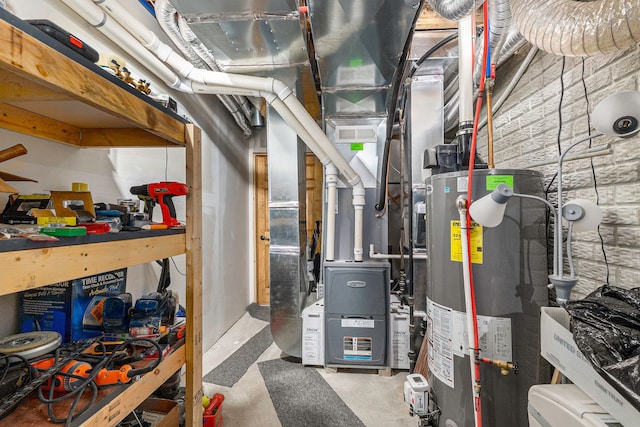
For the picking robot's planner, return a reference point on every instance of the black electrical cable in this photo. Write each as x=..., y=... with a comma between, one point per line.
x=32, y=372
x=593, y=173
x=433, y=49
x=382, y=190
x=395, y=89
x=89, y=381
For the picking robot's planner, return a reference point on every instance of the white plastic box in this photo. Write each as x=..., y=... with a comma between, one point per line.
x=399, y=337
x=559, y=348
x=313, y=334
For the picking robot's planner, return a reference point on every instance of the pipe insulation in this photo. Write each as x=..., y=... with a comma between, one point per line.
x=276, y=93
x=466, y=35
x=578, y=28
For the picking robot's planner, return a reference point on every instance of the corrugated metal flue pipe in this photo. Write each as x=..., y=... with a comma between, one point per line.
x=453, y=9
x=502, y=42
x=576, y=28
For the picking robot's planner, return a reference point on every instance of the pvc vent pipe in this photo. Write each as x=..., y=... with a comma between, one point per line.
x=274, y=91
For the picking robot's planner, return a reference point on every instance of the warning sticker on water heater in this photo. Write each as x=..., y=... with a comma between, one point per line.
x=440, y=342
x=494, y=333
x=475, y=242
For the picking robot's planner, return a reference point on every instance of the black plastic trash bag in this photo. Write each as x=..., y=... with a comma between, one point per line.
x=606, y=328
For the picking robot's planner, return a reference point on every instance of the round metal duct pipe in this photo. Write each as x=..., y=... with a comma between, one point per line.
x=453, y=9
x=578, y=28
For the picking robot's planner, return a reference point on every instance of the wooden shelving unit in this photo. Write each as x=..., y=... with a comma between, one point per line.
x=55, y=96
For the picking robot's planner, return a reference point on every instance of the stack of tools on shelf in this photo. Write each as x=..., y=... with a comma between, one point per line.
x=134, y=339
x=73, y=213
x=60, y=373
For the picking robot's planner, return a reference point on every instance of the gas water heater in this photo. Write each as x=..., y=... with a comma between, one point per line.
x=510, y=279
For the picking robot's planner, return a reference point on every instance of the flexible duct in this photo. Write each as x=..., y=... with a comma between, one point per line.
x=574, y=28
x=453, y=10
x=168, y=19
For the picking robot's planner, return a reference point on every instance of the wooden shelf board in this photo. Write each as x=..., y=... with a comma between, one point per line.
x=31, y=268
x=59, y=77
x=125, y=402
x=114, y=404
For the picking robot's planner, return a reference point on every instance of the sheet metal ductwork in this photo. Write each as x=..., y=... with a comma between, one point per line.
x=358, y=49
x=575, y=28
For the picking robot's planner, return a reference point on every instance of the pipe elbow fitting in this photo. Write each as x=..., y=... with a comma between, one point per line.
x=280, y=89
x=268, y=96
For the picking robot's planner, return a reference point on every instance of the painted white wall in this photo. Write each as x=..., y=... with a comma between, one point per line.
x=226, y=186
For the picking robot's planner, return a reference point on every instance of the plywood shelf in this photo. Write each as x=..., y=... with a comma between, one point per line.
x=72, y=101
x=32, y=268
x=50, y=92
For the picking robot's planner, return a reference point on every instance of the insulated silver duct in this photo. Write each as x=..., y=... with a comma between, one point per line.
x=502, y=43
x=453, y=9
x=574, y=28
x=287, y=234
x=192, y=49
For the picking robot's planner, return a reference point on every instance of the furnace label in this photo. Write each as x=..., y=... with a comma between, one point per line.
x=357, y=348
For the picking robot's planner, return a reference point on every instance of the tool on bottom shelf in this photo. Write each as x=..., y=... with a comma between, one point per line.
x=66, y=355
x=89, y=372
x=70, y=371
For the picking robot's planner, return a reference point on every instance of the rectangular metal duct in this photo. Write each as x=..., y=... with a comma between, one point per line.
x=359, y=45
x=288, y=234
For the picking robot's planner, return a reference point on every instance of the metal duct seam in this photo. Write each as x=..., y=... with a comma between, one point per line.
x=209, y=59
x=574, y=28
x=169, y=19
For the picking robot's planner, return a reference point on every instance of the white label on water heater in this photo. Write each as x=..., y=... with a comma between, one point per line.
x=440, y=344
x=462, y=184
x=494, y=336
x=447, y=334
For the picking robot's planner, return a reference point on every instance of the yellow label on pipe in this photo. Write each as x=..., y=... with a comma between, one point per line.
x=475, y=243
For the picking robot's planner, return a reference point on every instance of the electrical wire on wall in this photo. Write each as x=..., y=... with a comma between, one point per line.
x=393, y=106
x=474, y=138
x=593, y=171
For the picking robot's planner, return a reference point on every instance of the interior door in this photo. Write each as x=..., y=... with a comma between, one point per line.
x=261, y=208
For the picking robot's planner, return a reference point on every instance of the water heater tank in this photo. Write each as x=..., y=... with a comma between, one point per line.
x=510, y=279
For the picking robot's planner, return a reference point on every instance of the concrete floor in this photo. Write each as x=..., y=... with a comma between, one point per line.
x=377, y=400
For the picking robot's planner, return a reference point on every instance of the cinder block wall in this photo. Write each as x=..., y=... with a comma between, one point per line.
x=549, y=104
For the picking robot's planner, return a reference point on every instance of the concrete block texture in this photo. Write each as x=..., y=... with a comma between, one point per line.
x=545, y=107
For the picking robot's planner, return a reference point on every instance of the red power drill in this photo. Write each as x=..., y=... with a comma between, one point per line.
x=163, y=193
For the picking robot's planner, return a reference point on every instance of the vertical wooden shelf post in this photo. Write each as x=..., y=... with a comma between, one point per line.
x=193, y=398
